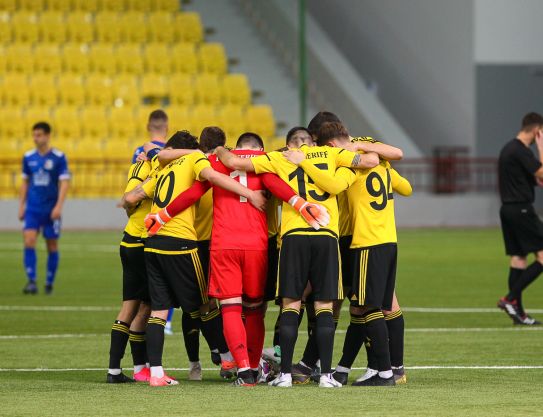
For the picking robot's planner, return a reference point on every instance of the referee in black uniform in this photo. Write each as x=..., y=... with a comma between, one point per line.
x=519, y=171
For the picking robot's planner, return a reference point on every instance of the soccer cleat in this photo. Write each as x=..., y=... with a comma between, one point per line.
x=118, y=379
x=341, y=377
x=164, y=381
x=216, y=358
x=30, y=288
x=228, y=369
x=526, y=320
x=327, y=381
x=301, y=374
x=316, y=374
x=510, y=307
x=49, y=289
x=245, y=380
x=195, y=372
x=399, y=375
x=282, y=381
x=264, y=372
x=375, y=381
x=143, y=376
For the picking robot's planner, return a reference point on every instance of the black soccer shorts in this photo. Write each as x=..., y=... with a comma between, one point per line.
x=135, y=285
x=345, y=253
x=203, y=253
x=313, y=258
x=374, y=276
x=522, y=229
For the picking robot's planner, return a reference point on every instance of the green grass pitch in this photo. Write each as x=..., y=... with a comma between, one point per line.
x=449, y=269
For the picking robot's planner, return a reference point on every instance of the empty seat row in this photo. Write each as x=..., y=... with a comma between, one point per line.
x=114, y=58
x=103, y=27
x=90, y=5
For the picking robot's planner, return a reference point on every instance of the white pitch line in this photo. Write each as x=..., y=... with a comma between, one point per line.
x=51, y=336
x=71, y=247
x=411, y=368
x=59, y=308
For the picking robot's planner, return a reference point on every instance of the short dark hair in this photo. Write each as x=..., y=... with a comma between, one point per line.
x=329, y=131
x=211, y=137
x=293, y=131
x=251, y=139
x=157, y=120
x=46, y=127
x=182, y=139
x=531, y=120
x=319, y=119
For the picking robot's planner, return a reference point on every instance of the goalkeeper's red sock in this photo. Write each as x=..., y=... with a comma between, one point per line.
x=235, y=335
x=254, y=325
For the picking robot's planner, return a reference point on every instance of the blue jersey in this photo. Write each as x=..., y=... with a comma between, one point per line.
x=140, y=149
x=43, y=173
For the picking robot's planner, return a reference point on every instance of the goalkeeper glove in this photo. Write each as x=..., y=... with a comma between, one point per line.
x=314, y=214
x=155, y=221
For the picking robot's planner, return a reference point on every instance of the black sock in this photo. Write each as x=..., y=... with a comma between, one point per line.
x=155, y=340
x=276, y=330
x=117, y=346
x=138, y=347
x=395, y=324
x=525, y=279
x=190, y=323
x=324, y=337
x=211, y=325
x=289, y=334
x=354, y=338
x=514, y=275
x=377, y=338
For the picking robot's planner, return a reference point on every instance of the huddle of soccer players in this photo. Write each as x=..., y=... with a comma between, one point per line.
x=309, y=180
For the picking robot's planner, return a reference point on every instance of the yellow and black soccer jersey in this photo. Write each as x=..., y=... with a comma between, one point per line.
x=137, y=173
x=204, y=216
x=322, y=157
x=371, y=203
x=173, y=179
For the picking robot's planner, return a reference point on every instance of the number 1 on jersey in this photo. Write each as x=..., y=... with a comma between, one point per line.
x=242, y=175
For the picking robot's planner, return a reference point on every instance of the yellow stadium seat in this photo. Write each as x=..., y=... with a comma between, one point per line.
x=12, y=125
x=84, y=5
x=184, y=58
x=142, y=118
x=154, y=85
x=116, y=149
x=129, y=58
x=107, y=27
x=94, y=122
x=80, y=27
x=47, y=58
x=123, y=124
x=32, y=5
x=208, y=89
x=8, y=5
x=260, y=120
x=66, y=123
x=19, y=58
x=43, y=90
x=99, y=89
x=157, y=58
x=5, y=27
x=188, y=27
x=182, y=90
x=236, y=89
x=132, y=26
x=212, y=58
x=33, y=115
x=103, y=59
x=179, y=118
x=113, y=5
x=203, y=116
x=71, y=90
x=232, y=121
x=75, y=58
x=25, y=27
x=140, y=5
x=52, y=27
x=15, y=90
x=166, y=5
x=61, y=5
x=274, y=143
x=126, y=90
x=161, y=27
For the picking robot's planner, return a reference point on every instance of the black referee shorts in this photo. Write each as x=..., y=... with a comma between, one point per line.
x=135, y=286
x=522, y=229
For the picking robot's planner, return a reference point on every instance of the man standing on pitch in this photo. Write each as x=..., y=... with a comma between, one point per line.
x=519, y=171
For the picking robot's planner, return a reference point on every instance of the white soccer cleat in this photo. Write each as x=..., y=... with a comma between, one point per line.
x=195, y=371
x=369, y=374
x=327, y=381
x=282, y=381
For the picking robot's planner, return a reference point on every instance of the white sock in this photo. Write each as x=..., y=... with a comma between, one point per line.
x=285, y=376
x=343, y=369
x=138, y=368
x=369, y=373
x=157, y=371
x=147, y=365
x=214, y=350
x=193, y=364
x=227, y=357
x=168, y=325
x=254, y=369
x=114, y=371
x=386, y=374
x=243, y=369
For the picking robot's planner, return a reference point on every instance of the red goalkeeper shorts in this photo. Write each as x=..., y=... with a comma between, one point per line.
x=238, y=273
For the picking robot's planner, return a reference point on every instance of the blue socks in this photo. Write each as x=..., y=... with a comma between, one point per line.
x=52, y=265
x=29, y=260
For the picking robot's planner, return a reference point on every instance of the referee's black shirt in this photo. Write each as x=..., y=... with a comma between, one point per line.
x=516, y=168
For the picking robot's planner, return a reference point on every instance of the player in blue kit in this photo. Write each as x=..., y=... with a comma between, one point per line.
x=43, y=191
x=157, y=127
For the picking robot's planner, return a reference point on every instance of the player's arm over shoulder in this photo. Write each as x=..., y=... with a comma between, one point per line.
x=400, y=184
x=233, y=161
x=346, y=158
x=368, y=144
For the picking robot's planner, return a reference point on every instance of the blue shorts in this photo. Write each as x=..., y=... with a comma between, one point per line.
x=37, y=221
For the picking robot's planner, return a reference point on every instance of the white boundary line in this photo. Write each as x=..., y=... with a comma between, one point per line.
x=411, y=368
x=435, y=310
